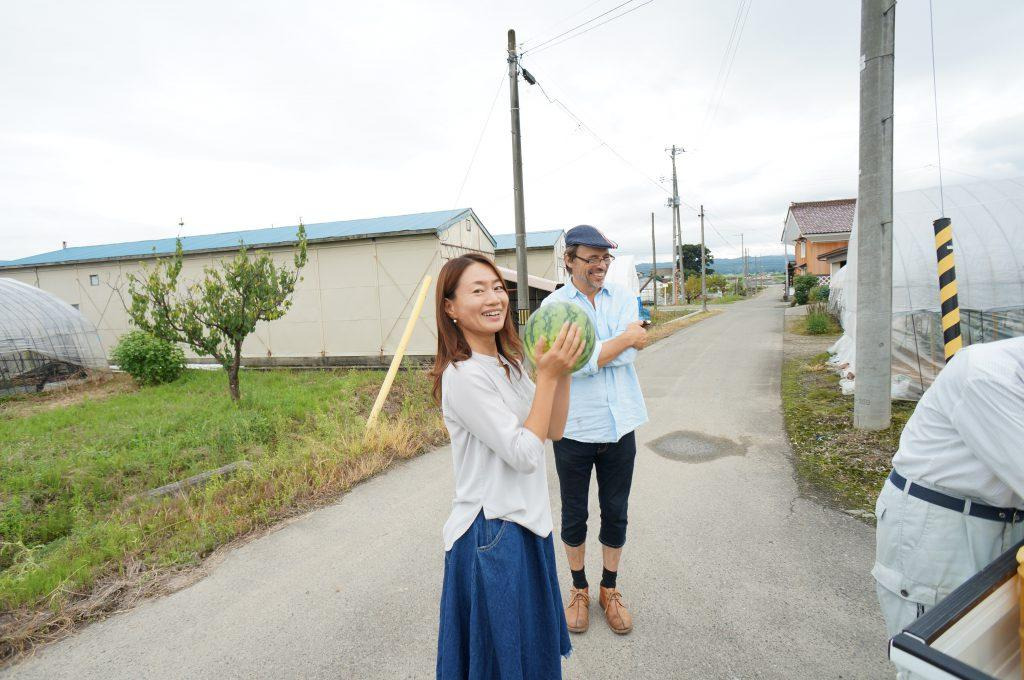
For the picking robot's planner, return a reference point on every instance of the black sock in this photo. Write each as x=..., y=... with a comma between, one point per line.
x=579, y=578
x=608, y=578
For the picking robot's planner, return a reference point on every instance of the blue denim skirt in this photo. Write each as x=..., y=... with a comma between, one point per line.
x=501, y=608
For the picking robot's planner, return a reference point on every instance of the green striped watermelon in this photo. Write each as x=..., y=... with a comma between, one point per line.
x=547, y=322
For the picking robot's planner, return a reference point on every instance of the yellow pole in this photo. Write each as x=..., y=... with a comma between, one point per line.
x=947, y=287
x=399, y=353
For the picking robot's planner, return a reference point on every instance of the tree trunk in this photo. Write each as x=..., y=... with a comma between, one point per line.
x=236, y=361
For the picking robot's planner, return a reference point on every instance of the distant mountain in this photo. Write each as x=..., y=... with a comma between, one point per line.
x=766, y=263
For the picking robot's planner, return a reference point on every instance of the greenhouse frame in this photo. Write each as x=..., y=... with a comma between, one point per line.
x=988, y=249
x=44, y=342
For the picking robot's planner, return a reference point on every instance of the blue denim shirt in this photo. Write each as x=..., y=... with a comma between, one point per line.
x=605, y=404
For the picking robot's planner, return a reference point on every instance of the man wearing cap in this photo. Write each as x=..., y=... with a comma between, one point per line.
x=605, y=407
x=952, y=502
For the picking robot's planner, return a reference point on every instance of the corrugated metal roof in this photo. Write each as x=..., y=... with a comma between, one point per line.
x=534, y=239
x=437, y=222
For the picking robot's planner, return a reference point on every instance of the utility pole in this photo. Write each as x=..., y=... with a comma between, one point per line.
x=872, y=408
x=677, y=232
x=522, y=279
x=703, y=264
x=654, y=266
x=743, y=254
x=785, y=270
x=675, y=250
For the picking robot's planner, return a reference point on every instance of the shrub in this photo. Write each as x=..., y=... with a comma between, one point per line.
x=149, y=359
x=818, y=323
x=818, y=294
x=801, y=287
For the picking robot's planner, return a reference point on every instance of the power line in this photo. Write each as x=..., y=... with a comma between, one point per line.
x=551, y=171
x=479, y=141
x=725, y=68
x=563, y=20
x=715, y=229
x=541, y=47
x=588, y=21
x=935, y=92
x=586, y=128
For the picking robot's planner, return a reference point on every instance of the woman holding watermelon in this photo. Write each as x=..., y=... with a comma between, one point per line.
x=501, y=613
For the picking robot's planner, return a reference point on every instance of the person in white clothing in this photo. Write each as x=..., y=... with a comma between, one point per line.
x=953, y=501
x=501, y=614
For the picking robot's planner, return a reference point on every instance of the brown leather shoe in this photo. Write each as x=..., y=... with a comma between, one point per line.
x=577, y=612
x=615, y=611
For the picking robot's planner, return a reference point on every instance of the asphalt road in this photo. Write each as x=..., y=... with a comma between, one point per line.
x=729, y=572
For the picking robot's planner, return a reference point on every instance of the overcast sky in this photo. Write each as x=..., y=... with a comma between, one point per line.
x=119, y=118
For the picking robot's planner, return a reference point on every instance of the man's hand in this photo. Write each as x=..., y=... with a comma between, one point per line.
x=636, y=334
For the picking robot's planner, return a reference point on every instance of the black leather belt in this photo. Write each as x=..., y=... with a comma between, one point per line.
x=957, y=504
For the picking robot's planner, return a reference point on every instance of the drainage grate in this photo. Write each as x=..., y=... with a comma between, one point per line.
x=694, y=447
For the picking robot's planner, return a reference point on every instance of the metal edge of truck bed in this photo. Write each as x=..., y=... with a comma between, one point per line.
x=916, y=639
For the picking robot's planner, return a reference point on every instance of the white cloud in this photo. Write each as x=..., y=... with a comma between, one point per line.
x=121, y=117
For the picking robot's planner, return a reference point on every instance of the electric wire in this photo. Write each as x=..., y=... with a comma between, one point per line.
x=479, y=141
x=589, y=130
x=564, y=40
x=723, y=64
x=935, y=93
x=725, y=68
x=561, y=22
x=715, y=229
x=588, y=21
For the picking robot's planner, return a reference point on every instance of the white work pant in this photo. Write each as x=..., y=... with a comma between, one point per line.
x=924, y=551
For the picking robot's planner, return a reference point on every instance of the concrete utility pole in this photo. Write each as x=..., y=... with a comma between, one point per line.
x=522, y=279
x=675, y=249
x=703, y=264
x=654, y=266
x=677, y=231
x=743, y=254
x=785, y=270
x=872, y=408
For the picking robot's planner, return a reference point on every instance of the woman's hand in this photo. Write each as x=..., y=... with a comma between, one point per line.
x=565, y=351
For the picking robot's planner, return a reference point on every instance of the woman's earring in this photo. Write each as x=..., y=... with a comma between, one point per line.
x=455, y=321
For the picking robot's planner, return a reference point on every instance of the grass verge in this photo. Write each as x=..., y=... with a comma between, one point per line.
x=727, y=299
x=73, y=543
x=662, y=316
x=660, y=331
x=847, y=465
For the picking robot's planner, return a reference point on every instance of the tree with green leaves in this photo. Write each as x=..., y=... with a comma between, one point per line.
x=718, y=283
x=691, y=288
x=213, y=316
x=691, y=259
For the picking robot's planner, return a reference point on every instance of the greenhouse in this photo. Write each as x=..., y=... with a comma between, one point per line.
x=44, y=342
x=988, y=248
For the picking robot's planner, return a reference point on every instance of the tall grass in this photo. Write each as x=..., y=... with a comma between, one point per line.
x=73, y=515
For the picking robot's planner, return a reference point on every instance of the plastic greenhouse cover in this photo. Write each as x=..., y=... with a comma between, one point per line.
x=988, y=250
x=622, y=271
x=43, y=339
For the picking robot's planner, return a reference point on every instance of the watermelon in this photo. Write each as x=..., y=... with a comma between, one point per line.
x=547, y=322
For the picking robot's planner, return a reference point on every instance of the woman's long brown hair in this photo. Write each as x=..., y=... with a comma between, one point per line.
x=451, y=343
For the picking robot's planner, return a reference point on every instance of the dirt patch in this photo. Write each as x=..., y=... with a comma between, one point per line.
x=797, y=345
x=102, y=386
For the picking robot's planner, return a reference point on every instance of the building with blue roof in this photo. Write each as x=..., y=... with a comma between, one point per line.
x=545, y=252
x=350, y=308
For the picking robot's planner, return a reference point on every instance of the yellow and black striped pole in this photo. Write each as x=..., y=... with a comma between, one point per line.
x=947, y=287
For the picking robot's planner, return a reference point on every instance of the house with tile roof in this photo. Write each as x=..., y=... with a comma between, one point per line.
x=819, y=232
